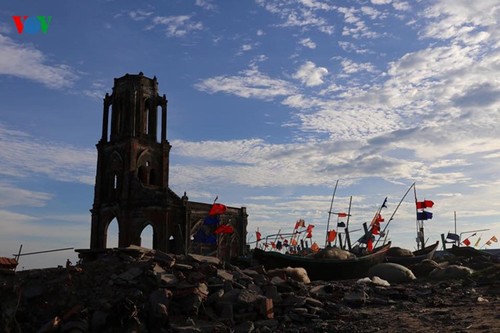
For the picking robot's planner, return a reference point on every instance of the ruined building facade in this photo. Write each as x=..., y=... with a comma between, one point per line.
x=132, y=180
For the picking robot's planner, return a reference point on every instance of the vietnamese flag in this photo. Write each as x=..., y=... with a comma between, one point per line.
x=224, y=229
x=342, y=214
x=217, y=209
x=425, y=204
x=259, y=235
x=466, y=242
x=332, y=234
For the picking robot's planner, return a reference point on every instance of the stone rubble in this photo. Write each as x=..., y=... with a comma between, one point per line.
x=142, y=290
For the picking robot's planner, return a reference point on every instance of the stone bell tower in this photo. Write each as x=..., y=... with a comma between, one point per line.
x=133, y=166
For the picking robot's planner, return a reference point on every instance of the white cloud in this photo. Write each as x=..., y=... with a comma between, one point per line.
x=26, y=62
x=458, y=19
x=250, y=83
x=246, y=47
x=381, y=2
x=350, y=67
x=310, y=75
x=96, y=91
x=355, y=27
x=307, y=42
x=205, y=4
x=401, y=5
x=13, y=196
x=306, y=15
x=177, y=26
x=139, y=15
x=351, y=47
x=20, y=157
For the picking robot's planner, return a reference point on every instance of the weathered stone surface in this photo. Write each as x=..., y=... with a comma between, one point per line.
x=424, y=268
x=123, y=292
x=450, y=272
x=199, y=258
x=355, y=298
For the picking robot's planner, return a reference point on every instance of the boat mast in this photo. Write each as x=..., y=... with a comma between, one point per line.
x=346, y=229
x=330, y=212
x=397, y=207
x=420, y=225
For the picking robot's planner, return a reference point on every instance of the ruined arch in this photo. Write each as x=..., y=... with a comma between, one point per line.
x=147, y=236
x=112, y=233
x=147, y=166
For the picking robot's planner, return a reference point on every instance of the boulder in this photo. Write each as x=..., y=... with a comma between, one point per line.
x=391, y=272
x=450, y=272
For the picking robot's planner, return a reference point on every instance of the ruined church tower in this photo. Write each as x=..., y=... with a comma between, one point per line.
x=132, y=180
x=133, y=166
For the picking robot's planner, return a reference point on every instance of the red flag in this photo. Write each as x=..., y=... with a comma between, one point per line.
x=376, y=228
x=309, y=234
x=259, y=235
x=380, y=218
x=369, y=244
x=425, y=204
x=224, y=229
x=466, y=242
x=300, y=224
x=342, y=214
x=310, y=228
x=332, y=234
x=217, y=209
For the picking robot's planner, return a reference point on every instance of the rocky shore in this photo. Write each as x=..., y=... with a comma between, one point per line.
x=142, y=290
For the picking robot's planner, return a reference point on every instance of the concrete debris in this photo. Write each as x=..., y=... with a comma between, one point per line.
x=143, y=290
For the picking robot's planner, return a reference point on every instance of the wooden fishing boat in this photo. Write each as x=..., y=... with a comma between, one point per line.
x=468, y=252
x=418, y=256
x=323, y=269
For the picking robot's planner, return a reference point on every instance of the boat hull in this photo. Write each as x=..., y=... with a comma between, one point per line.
x=466, y=251
x=323, y=269
x=425, y=253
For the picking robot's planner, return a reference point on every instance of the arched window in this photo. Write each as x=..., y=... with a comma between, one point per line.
x=143, y=175
x=152, y=177
x=112, y=234
x=158, y=123
x=145, y=116
x=147, y=235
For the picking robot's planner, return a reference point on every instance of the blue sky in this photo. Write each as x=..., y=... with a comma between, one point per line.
x=270, y=102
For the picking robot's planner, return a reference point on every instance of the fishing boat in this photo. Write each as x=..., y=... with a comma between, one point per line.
x=323, y=268
x=417, y=257
x=468, y=252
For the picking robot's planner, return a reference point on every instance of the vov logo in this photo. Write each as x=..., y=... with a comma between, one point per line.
x=32, y=24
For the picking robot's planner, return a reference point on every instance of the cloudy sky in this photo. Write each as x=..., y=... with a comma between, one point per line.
x=270, y=103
